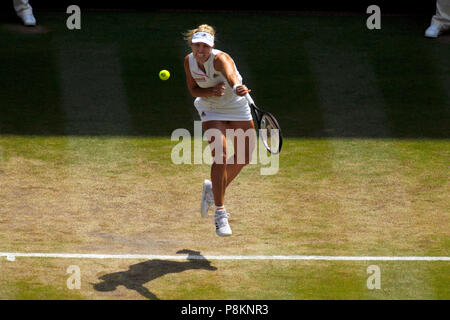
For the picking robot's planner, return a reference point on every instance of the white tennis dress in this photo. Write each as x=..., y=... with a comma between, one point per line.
x=230, y=106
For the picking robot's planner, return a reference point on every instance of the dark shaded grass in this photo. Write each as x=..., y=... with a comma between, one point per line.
x=268, y=50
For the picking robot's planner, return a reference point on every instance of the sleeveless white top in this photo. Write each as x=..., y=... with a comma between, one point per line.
x=230, y=106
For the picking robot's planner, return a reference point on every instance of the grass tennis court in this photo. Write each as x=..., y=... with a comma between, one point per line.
x=85, y=158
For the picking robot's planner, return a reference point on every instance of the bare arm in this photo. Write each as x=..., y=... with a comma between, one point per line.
x=193, y=87
x=225, y=65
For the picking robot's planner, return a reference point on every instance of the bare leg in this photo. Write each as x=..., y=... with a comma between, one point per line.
x=224, y=170
x=219, y=154
x=244, y=144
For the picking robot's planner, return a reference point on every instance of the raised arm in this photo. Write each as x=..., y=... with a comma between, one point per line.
x=226, y=66
x=193, y=87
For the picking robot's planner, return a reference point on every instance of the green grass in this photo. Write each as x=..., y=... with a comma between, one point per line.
x=27, y=289
x=332, y=196
x=337, y=192
x=39, y=280
x=407, y=69
x=279, y=280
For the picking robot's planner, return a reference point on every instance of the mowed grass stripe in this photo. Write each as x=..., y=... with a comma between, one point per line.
x=141, y=202
x=348, y=96
x=372, y=196
x=29, y=93
x=169, y=279
x=92, y=90
x=409, y=70
x=95, y=106
x=416, y=93
x=362, y=169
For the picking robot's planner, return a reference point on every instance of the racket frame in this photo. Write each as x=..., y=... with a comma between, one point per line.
x=258, y=113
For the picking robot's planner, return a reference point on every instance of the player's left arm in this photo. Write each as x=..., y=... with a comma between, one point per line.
x=224, y=64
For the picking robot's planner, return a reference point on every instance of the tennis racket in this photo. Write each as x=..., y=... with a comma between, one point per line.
x=268, y=127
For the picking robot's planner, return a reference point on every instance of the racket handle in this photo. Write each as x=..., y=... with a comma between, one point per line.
x=249, y=99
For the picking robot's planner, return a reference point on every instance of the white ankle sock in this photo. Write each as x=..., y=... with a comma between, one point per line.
x=219, y=208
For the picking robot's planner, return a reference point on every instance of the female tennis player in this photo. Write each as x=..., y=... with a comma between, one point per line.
x=213, y=79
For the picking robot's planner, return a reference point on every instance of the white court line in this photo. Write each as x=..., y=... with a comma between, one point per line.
x=12, y=255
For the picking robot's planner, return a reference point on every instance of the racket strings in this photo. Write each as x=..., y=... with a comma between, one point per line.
x=270, y=134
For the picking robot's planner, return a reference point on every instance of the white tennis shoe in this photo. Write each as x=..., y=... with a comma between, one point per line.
x=221, y=221
x=432, y=32
x=207, y=198
x=29, y=20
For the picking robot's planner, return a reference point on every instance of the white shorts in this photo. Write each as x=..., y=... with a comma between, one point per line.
x=209, y=116
x=239, y=113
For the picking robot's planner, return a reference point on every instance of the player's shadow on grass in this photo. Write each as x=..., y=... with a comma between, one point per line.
x=141, y=273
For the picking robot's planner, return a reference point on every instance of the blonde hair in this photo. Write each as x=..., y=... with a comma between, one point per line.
x=201, y=28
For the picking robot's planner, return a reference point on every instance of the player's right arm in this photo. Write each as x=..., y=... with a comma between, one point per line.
x=195, y=90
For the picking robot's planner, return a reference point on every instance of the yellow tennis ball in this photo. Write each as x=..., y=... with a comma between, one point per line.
x=164, y=74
